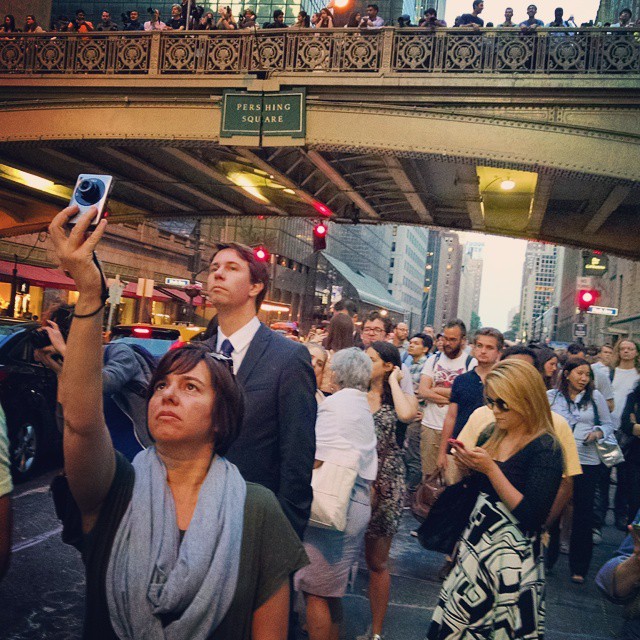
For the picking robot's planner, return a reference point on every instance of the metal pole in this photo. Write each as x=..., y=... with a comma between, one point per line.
x=14, y=286
x=195, y=267
x=188, y=16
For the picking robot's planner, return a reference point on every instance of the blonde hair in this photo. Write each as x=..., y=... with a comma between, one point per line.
x=521, y=386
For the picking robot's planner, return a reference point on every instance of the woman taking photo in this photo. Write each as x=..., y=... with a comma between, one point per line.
x=586, y=411
x=176, y=544
x=496, y=587
x=388, y=404
x=344, y=433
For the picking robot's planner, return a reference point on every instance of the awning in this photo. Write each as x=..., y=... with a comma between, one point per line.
x=368, y=288
x=130, y=292
x=37, y=276
x=178, y=294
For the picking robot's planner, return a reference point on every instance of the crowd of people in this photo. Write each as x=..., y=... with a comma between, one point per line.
x=193, y=16
x=203, y=523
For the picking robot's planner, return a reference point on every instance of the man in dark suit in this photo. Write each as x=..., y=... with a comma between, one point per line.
x=276, y=447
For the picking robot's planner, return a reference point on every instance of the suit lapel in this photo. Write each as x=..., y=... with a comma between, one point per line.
x=256, y=348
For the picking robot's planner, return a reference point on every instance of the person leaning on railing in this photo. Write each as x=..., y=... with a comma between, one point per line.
x=226, y=22
x=32, y=26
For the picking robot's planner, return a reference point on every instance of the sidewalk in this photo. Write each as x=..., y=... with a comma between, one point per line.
x=574, y=612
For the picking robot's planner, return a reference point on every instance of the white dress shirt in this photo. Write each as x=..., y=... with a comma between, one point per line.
x=240, y=340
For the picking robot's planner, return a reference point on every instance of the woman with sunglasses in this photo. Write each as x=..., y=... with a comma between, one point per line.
x=496, y=587
x=587, y=413
x=175, y=544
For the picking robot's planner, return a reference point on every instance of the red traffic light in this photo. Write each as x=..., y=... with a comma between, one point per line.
x=261, y=254
x=587, y=298
x=320, y=230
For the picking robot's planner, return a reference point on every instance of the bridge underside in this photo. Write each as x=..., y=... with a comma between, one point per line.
x=576, y=168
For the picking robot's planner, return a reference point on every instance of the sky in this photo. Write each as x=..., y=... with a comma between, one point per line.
x=503, y=259
x=582, y=10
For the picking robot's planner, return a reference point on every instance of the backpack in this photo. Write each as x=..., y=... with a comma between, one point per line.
x=466, y=363
x=148, y=363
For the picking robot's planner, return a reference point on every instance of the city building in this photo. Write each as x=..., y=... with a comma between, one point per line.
x=442, y=278
x=470, y=283
x=406, y=271
x=538, y=289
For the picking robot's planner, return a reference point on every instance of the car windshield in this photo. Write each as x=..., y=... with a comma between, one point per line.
x=8, y=330
x=156, y=348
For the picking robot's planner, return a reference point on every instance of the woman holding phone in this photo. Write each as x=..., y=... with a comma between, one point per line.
x=587, y=413
x=175, y=544
x=496, y=587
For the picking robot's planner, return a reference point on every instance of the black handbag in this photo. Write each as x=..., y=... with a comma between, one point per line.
x=449, y=516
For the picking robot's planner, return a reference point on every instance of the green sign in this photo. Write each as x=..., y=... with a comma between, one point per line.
x=268, y=114
x=594, y=263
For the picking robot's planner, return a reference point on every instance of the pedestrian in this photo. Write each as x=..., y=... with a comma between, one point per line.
x=9, y=24
x=6, y=487
x=106, y=23
x=319, y=358
x=372, y=20
x=624, y=377
x=345, y=435
x=483, y=418
x=80, y=24
x=508, y=19
x=172, y=543
x=154, y=23
x=630, y=442
x=399, y=339
x=467, y=391
x=126, y=374
x=31, y=25
x=473, y=19
x=388, y=404
x=619, y=580
x=531, y=23
x=548, y=363
x=586, y=411
x=277, y=442
x=496, y=588
x=419, y=347
x=435, y=388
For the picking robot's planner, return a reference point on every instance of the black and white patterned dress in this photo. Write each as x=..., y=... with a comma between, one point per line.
x=496, y=590
x=389, y=485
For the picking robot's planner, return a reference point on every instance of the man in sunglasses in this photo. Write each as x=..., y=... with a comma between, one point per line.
x=276, y=446
x=484, y=416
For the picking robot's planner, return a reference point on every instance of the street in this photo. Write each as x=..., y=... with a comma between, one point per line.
x=42, y=595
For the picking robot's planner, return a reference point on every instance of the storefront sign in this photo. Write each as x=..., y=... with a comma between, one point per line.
x=177, y=282
x=594, y=263
x=259, y=115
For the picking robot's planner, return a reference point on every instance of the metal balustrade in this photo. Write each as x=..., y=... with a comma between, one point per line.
x=386, y=51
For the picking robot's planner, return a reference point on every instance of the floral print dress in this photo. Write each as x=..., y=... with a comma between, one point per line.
x=389, y=485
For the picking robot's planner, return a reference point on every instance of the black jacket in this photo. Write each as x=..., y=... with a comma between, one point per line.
x=276, y=447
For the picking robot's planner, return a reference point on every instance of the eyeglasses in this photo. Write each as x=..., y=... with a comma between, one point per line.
x=373, y=330
x=227, y=361
x=497, y=402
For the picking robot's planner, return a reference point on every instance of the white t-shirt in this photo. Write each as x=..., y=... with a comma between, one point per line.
x=443, y=371
x=602, y=380
x=624, y=380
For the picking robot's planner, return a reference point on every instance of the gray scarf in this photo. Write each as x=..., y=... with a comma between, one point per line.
x=152, y=576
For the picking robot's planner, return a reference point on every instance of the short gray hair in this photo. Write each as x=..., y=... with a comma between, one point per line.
x=352, y=368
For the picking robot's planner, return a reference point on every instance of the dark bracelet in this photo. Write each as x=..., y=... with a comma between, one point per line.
x=89, y=315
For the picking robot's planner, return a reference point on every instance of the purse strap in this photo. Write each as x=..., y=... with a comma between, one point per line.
x=596, y=414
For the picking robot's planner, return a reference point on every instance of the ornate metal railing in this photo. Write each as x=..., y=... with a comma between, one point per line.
x=388, y=51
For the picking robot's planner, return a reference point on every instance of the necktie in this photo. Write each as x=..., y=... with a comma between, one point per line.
x=226, y=348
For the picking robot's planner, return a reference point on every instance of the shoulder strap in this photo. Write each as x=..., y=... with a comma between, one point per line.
x=596, y=414
x=468, y=362
x=612, y=374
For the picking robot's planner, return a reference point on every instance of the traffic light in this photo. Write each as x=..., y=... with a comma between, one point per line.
x=261, y=254
x=587, y=298
x=320, y=236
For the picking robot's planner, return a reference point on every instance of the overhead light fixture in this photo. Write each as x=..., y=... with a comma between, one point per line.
x=507, y=185
x=35, y=182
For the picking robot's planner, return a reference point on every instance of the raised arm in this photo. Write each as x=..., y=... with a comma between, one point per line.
x=89, y=457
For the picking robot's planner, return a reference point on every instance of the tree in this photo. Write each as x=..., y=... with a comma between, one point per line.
x=515, y=323
x=475, y=323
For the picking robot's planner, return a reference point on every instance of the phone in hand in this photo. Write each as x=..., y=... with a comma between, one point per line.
x=456, y=444
x=91, y=190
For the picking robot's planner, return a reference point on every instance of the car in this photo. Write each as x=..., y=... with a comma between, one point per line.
x=156, y=340
x=28, y=395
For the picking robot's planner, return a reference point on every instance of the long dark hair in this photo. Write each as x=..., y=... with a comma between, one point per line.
x=563, y=382
x=352, y=20
x=543, y=356
x=12, y=24
x=228, y=406
x=388, y=353
x=340, y=334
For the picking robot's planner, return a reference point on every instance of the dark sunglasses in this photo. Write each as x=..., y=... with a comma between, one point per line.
x=227, y=361
x=497, y=402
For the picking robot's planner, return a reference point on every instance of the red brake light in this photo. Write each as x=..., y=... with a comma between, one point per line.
x=141, y=332
x=177, y=344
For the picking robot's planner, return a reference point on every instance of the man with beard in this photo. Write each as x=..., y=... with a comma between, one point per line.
x=436, y=382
